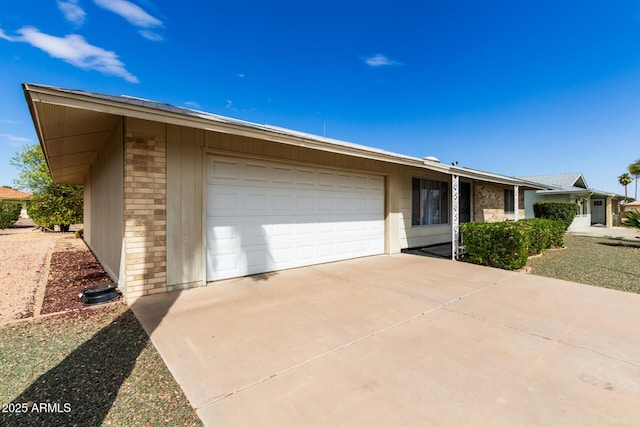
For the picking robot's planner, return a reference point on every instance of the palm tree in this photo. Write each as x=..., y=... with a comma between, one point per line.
x=624, y=180
x=634, y=169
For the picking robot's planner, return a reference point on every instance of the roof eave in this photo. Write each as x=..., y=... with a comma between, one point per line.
x=55, y=96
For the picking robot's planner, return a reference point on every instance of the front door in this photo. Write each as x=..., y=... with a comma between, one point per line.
x=598, y=211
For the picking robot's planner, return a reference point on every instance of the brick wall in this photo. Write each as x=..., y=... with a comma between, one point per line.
x=145, y=215
x=488, y=203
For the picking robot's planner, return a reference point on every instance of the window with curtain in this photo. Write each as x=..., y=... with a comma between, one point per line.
x=508, y=201
x=430, y=202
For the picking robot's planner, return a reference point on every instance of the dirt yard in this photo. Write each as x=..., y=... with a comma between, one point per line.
x=23, y=255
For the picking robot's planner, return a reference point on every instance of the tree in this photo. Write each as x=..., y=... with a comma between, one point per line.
x=59, y=204
x=9, y=214
x=34, y=174
x=634, y=169
x=624, y=180
x=52, y=203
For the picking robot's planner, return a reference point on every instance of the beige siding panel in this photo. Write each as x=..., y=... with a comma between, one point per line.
x=410, y=236
x=185, y=233
x=104, y=228
x=86, y=206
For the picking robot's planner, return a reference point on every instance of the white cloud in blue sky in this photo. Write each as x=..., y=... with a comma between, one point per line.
x=74, y=49
x=379, y=60
x=4, y=36
x=14, y=141
x=72, y=12
x=135, y=15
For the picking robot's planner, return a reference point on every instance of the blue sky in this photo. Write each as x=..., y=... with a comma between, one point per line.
x=517, y=88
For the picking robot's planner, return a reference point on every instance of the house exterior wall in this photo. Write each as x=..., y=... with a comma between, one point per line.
x=185, y=208
x=145, y=208
x=164, y=200
x=415, y=236
x=488, y=203
x=103, y=204
x=187, y=149
x=580, y=221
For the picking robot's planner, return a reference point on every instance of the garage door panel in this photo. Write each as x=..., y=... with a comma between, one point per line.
x=264, y=216
x=221, y=170
x=305, y=177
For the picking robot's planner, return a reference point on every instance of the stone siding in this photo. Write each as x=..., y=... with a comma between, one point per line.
x=488, y=203
x=145, y=215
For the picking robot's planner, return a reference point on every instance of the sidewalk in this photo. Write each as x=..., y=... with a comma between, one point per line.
x=615, y=232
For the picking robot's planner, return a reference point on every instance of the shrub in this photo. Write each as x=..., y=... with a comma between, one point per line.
x=563, y=211
x=58, y=204
x=508, y=244
x=632, y=218
x=544, y=234
x=79, y=233
x=9, y=213
x=498, y=244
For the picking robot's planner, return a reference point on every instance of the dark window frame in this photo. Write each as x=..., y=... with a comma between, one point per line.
x=430, y=202
x=509, y=205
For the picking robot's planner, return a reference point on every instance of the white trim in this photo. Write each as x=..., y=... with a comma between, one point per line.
x=455, y=216
x=516, y=199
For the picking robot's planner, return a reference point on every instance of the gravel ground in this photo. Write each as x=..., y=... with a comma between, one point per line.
x=22, y=258
x=94, y=366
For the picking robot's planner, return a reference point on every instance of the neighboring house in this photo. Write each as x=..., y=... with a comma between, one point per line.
x=631, y=206
x=176, y=198
x=594, y=206
x=11, y=195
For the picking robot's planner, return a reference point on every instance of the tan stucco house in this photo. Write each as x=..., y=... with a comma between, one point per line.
x=630, y=206
x=11, y=195
x=177, y=198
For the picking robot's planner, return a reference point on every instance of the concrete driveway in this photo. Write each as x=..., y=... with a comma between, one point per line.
x=401, y=340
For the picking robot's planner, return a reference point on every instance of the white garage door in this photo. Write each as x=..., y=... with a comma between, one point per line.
x=266, y=216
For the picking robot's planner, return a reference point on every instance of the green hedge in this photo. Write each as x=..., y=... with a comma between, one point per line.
x=9, y=213
x=496, y=244
x=508, y=244
x=563, y=211
x=544, y=234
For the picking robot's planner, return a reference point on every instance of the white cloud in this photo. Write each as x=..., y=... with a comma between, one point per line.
x=72, y=12
x=14, y=138
x=379, y=60
x=192, y=104
x=131, y=12
x=151, y=35
x=4, y=36
x=9, y=122
x=241, y=75
x=229, y=104
x=75, y=50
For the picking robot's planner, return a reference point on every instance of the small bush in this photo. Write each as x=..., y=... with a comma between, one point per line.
x=9, y=213
x=563, y=211
x=79, y=233
x=498, y=244
x=508, y=244
x=544, y=234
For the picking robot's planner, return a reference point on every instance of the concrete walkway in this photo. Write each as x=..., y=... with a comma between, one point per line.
x=626, y=233
x=401, y=340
